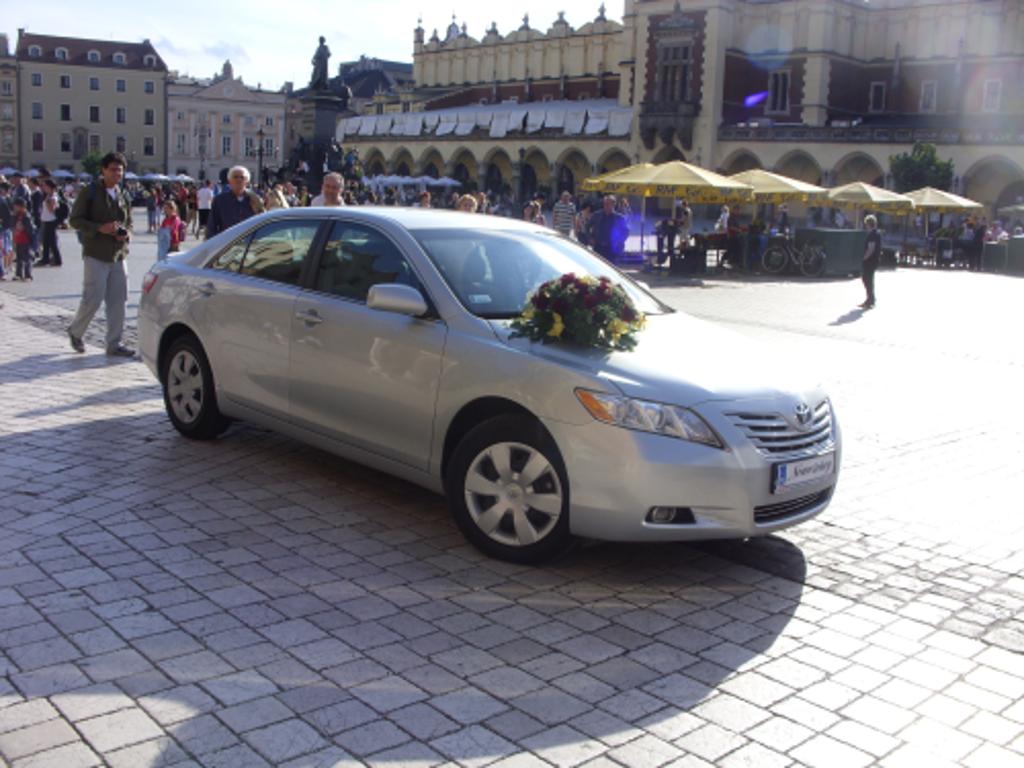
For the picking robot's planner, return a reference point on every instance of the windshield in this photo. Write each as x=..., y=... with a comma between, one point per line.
x=494, y=272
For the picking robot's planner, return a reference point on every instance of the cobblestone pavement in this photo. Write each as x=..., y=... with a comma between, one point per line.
x=254, y=601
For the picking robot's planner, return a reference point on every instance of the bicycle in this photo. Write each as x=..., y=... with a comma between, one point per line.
x=808, y=258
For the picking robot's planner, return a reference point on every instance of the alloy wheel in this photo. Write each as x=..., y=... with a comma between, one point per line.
x=185, y=386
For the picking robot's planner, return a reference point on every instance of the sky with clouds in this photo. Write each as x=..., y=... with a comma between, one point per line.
x=272, y=42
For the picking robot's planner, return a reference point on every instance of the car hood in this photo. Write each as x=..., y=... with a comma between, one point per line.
x=679, y=359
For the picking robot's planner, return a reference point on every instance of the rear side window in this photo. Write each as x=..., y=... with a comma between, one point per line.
x=356, y=258
x=276, y=251
x=230, y=259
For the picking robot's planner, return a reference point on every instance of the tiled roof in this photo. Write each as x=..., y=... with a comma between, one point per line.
x=78, y=52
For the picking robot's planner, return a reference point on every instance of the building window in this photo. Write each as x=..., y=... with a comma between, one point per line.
x=120, y=86
x=929, y=93
x=94, y=142
x=35, y=51
x=226, y=119
x=268, y=146
x=249, y=143
x=94, y=114
x=37, y=110
x=148, y=87
x=6, y=88
x=120, y=144
x=225, y=145
x=8, y=112
x=8, y=142
x=250, y=121
x=778, y=88
x=149, y=60
x=94, y=83
x=181, y=143
x=148, y=145
x=93, y=57
x=181, y=116
x=120, y=115
x=37, y=79
x=876, y=102
x=65, y=142
x=269, y=122
x=65, y=81
x=149, y=117
x=120, y=59
x=673, y=72
x=37, y=141
x=992, y=96
x=65, y=113
x=61, y=54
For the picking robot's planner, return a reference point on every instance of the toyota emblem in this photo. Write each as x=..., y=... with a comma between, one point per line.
x=803, y=414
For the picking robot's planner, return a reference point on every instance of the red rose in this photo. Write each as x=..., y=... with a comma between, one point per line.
x=591, y=300
x=568, y=279
x=560, y=305
x=627, y=315
x=540, y=300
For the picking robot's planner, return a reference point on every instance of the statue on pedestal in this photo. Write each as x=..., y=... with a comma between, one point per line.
x=319, y=80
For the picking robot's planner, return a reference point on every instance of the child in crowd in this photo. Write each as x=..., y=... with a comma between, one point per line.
x=170, y=233
x=6, y=220
x=24, y=235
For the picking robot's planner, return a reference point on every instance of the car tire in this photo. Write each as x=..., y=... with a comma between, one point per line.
x=189, y=395
x=526, y=518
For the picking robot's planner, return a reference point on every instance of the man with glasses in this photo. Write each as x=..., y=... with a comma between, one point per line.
x=235, y=204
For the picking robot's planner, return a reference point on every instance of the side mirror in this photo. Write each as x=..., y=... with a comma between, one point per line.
x=401, y=299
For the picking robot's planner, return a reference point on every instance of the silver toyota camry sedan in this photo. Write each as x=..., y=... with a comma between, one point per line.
x=382, y=335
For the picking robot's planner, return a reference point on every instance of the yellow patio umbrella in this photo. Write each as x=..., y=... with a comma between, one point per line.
x=674, y=179
x=863, y=196
x=772, y=188
x=931, y=200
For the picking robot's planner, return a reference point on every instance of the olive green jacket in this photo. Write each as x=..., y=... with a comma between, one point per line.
x=94, y=207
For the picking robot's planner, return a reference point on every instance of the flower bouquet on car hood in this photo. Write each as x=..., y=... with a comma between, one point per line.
x=587, y=311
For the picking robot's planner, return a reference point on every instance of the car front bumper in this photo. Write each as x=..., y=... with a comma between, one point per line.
x=616, y=476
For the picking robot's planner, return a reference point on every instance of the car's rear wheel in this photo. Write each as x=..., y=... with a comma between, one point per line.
x=508, y=490
x=189, y=395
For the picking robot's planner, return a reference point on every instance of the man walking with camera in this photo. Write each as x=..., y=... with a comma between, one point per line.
x=103, y=217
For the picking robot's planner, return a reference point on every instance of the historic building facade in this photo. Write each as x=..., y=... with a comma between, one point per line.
x=823, y=90
x=215, y=123
x=77, y=95
x=8, y=106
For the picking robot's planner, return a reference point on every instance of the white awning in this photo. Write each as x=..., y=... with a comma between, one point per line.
x=515, y=119
x=366, y=125
x=413, y=124
x=499, y=125
x=555, y=117
x=398, y=125
x=447, y=124
x=535, y=119
x=597, y=121
x=575, y=117
x=619, y=122
x=383, y=125
x=430, y=120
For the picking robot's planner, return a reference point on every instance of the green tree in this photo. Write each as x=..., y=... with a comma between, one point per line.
x=920, y=167
x=91, y=163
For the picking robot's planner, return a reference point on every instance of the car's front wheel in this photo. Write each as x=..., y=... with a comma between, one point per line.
x=188, y=391
x=508, y=490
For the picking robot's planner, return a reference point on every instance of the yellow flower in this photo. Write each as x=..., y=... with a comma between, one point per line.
x=557, y=327
x=528, y=313
x=617, y=327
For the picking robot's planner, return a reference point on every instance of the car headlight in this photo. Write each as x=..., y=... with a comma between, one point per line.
x=645, y=416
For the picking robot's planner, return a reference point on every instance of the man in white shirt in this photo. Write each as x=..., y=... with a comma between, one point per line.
x=330, y=192
x=204, y=201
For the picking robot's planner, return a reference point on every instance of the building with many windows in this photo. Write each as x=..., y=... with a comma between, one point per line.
x=821, y=90
x=77, y=96
x=216, y=123
x=8, y=106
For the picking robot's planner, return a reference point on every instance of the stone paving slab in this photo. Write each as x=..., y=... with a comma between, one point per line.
x=256, y=602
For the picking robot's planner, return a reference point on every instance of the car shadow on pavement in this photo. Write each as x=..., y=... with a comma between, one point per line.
x=253, y=600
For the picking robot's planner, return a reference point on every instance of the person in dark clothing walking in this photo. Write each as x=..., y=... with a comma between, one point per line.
x=980, y=232
x=608, y=230
x=49, y=223
x=872, y=253
x=233, y=205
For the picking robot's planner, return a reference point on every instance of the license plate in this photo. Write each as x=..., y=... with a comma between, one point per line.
x=795, y=473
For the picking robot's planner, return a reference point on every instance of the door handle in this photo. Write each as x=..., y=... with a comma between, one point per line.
x=207, y=288
x=309, y=317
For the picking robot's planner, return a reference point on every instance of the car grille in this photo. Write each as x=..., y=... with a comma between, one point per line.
x=773, y=436
x=773, y=513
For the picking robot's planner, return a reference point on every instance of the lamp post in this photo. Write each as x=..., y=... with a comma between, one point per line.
x=259, y=157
